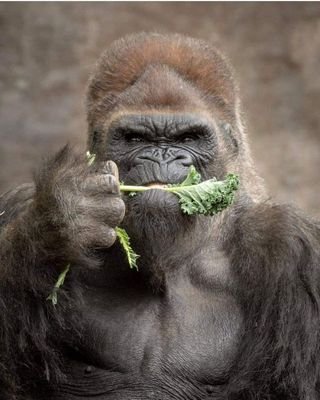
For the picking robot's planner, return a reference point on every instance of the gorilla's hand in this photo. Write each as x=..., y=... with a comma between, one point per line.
x=83, y=203
x=99, y=208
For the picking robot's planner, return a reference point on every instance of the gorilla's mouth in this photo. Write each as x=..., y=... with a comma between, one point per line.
x=155, y=199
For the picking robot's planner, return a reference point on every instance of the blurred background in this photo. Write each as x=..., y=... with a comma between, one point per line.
x=48, y=49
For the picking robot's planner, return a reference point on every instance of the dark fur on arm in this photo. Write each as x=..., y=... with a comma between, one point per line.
x=275, y=253
x=14, y=202
x=32, y=254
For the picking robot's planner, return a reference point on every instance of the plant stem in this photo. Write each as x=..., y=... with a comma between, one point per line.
x=128, y=188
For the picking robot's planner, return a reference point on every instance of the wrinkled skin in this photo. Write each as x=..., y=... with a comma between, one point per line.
x=222, y=307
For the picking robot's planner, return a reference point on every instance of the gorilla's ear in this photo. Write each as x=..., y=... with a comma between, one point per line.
x=229, y=137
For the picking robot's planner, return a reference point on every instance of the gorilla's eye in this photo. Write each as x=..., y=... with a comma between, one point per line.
x=188, y=137
x=133, y=137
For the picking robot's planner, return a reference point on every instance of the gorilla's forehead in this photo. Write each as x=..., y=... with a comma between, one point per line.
x=164, y=60
x=160, y=87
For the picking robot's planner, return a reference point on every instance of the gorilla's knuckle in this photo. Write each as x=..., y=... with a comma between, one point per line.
x=87, y=183
x=91, y=184
x=100, y=184
x=112, y=184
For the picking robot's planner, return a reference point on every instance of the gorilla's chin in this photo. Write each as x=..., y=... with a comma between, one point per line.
x=155, y=217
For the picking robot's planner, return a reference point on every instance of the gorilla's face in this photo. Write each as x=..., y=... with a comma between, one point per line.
x=158, y=149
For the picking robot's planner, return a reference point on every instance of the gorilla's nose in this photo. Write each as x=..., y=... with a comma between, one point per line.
x=166, y=156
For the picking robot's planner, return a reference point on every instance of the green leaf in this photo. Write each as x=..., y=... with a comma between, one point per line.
x=208, y=197
x=193, y=178
x=90, y=157
x=125, y=243
x=53, y=296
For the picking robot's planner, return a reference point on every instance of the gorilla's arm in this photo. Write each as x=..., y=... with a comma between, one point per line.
x=276, y=257
x=28, y=271
x=14, y=202
x=44, y=227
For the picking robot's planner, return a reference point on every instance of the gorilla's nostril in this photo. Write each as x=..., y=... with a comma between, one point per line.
x=165, y=156
x=184, y=159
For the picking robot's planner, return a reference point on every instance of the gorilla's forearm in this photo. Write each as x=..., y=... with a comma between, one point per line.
x=28, y=269
x=277, y=260
x=28, y=241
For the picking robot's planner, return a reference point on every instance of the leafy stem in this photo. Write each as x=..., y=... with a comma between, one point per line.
x=53, y=296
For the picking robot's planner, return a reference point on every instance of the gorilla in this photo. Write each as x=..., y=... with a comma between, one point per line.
x=222, y=307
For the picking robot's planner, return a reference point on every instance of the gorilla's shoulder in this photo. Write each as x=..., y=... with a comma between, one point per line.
x=270, y=229
x=15, y=201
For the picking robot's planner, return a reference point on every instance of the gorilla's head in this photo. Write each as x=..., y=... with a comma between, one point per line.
x=158, y=104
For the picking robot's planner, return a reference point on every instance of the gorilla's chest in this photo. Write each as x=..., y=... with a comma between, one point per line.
x=191, y=328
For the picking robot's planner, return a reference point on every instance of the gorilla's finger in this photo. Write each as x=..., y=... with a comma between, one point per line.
x=105, y=237
x=110, y=167
x=110, y=211
x=98, y=237
x=101, y=184
x=115, y=212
